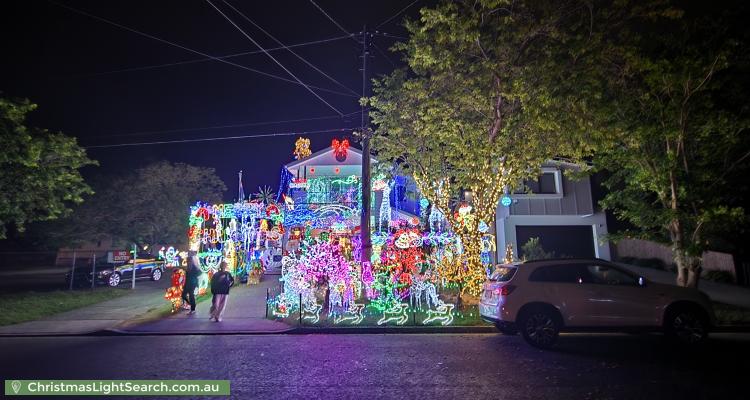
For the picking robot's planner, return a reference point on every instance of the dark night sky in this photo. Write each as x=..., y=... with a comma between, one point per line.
x=62, y=60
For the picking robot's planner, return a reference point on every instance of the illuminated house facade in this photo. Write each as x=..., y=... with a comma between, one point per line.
x=325, y=191
x=560, y=211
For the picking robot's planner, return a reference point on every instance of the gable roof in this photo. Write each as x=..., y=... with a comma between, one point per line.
x=326, y=154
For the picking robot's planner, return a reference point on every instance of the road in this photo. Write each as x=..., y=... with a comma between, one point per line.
x=403, y=366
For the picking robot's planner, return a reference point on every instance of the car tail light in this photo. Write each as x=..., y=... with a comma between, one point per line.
x=504, y=290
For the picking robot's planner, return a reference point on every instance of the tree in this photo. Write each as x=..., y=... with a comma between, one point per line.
x=487, y=98
x=676, y=123
x=147, y=206
x=41, y=176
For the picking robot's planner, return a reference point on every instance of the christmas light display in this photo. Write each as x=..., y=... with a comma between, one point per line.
x=443, y=313
x=422, y=285
x=508, y=253
x=385, y=209
x=353, y=315
x=174, y=292
x=302, y=148
x=396, y=313
x=340, y=149
x=311, y=312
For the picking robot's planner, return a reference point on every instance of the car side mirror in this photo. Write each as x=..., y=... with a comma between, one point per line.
x=641, y=281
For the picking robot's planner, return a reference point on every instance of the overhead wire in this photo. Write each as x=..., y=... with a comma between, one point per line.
x=331, y=18
x=189, y=49
x=181, y=130
x=396, y=15
x=287, y=48
x=210, y=139
x=199, y=60
x=273, y=58
x=388, y=35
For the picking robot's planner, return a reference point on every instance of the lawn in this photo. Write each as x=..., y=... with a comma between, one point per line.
x=30, y=306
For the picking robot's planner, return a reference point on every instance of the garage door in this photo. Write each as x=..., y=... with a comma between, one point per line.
x=564, y=240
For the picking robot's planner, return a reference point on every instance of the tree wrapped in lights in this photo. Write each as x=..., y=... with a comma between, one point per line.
x=482, y=107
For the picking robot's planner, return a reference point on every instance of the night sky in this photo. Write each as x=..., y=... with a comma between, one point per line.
x=95, y=81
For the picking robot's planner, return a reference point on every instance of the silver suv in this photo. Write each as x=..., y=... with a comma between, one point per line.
x=542, y=298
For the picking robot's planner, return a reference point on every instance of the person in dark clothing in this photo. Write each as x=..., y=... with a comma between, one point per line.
x=191, y=280
x=220, y=284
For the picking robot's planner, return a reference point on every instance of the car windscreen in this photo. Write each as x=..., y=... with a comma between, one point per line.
x=503, y=274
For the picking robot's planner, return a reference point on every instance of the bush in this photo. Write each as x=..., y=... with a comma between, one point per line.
x=533, y=250
x=719, y=276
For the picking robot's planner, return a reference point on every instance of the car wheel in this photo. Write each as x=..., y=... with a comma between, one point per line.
x=686, y=325
x=156, y=274
x=114, y=279
x=539, y=327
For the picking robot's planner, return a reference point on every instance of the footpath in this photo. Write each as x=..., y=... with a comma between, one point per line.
x=139, y=312
x=245, y=314
x=146, y=297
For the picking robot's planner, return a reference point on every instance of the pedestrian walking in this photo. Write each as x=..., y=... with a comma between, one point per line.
x=191, y=280
x=220, y=284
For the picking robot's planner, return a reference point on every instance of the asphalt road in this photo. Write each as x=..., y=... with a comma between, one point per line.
x=416, y=366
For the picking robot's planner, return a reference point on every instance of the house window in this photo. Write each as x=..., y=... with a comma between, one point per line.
x=549, y=182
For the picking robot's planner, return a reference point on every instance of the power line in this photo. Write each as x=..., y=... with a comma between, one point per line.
x=288, y=49
x=331, y=19
x=388, y=35
x=180, y=130
x=199, y=60
x=211, y=139
x=274, y=59
x=396, y=15
x=187, y=48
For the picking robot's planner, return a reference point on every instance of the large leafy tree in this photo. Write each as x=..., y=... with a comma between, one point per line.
x=676, y=122
x=149, y=205
x=486, y=99
x=40, y=177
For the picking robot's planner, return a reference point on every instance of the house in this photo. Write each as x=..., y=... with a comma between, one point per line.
x=324, y=191
x=560, y=211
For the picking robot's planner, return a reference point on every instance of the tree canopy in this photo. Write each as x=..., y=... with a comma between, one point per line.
x=675, y=121
x=41, y=176
x=149, y=205
x=486, y=100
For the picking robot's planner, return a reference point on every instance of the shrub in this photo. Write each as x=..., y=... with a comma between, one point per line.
x=533, y=250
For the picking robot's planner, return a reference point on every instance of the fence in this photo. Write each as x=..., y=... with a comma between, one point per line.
x=47, y=267
x=644, y=249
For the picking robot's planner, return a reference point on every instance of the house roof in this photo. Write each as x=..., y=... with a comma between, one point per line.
x=325, y=156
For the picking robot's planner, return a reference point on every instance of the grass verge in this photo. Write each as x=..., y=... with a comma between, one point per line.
x=162, y=311
x=30, y=306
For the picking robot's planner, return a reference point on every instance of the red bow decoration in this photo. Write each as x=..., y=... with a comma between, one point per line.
x=340, y=148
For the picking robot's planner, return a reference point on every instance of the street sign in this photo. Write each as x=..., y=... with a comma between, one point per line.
x=118, y=256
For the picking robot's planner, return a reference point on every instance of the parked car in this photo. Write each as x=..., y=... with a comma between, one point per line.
x=146, y=266
x=541, y=298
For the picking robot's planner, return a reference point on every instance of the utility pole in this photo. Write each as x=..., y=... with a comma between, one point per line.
x=366, y=184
